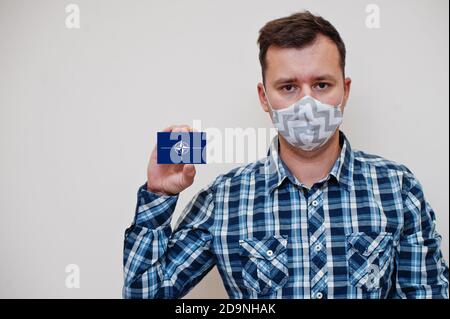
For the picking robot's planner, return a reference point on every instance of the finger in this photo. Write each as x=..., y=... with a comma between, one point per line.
x=179, y=128
x=189, y=169
x=176, y=130
x=185, y=128
x=190, y=128
x=169, y=128
x=188, y=174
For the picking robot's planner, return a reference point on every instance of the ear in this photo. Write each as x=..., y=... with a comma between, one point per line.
x=347, y=86
x=262, y=98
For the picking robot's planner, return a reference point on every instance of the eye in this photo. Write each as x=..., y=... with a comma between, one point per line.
x=322, y=86
x=288, y=88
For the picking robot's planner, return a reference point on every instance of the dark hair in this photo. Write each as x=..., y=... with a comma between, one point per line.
x=297, y=31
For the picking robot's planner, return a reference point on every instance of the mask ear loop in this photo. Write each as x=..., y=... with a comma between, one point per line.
x=342, y=100
x=277, y=145
x=340, y=104
x=267, y=98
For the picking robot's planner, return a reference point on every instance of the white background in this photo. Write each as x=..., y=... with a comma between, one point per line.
x=79, y=111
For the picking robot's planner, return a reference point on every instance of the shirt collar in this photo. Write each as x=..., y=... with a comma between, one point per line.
x=342, y=170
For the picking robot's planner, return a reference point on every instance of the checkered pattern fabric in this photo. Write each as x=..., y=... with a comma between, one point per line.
x=364, y=231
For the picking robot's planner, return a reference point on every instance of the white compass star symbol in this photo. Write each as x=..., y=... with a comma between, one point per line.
x=181, y=148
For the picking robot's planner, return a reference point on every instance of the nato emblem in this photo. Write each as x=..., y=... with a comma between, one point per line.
x=181, y=148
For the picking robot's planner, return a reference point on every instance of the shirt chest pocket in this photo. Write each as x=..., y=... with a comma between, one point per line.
x=369, y=257
x=264, y=263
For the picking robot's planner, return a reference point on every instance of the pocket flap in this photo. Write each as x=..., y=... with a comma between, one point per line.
x=267, y=247
x=367, y=243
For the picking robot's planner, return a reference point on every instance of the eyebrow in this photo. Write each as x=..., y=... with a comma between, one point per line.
x=324, y=77
x=321, y=77
x=284, y=81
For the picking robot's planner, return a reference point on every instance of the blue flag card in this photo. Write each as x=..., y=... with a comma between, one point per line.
x=181, y=148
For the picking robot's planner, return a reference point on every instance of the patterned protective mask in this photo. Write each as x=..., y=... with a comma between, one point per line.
x=308, y=123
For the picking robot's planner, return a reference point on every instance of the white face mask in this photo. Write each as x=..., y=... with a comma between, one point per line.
x=308, y=123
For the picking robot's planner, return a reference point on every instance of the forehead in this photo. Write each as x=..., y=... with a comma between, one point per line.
x=321, y=56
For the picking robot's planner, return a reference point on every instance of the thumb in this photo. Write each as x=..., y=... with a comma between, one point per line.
x=188, y=174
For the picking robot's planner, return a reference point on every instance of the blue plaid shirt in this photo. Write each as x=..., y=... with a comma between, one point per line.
x=364, y=231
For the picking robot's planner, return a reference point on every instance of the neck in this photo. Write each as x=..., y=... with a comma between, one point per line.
x=310, y=167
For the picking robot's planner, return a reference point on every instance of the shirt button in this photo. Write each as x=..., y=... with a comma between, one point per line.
x=315, y=203
x=318, y=247
x=269, y=253
x=319, y=295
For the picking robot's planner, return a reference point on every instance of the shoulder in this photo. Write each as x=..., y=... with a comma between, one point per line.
x=380, y=163
x=386, y=167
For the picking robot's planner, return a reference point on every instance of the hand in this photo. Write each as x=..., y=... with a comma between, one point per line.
x=169, y=179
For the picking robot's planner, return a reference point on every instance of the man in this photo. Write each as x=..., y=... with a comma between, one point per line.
x=313, y=219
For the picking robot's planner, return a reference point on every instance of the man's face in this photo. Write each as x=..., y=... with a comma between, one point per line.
x=314, y=70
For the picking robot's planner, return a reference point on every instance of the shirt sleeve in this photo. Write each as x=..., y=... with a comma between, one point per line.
x=159, y=263
x=421, y=271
